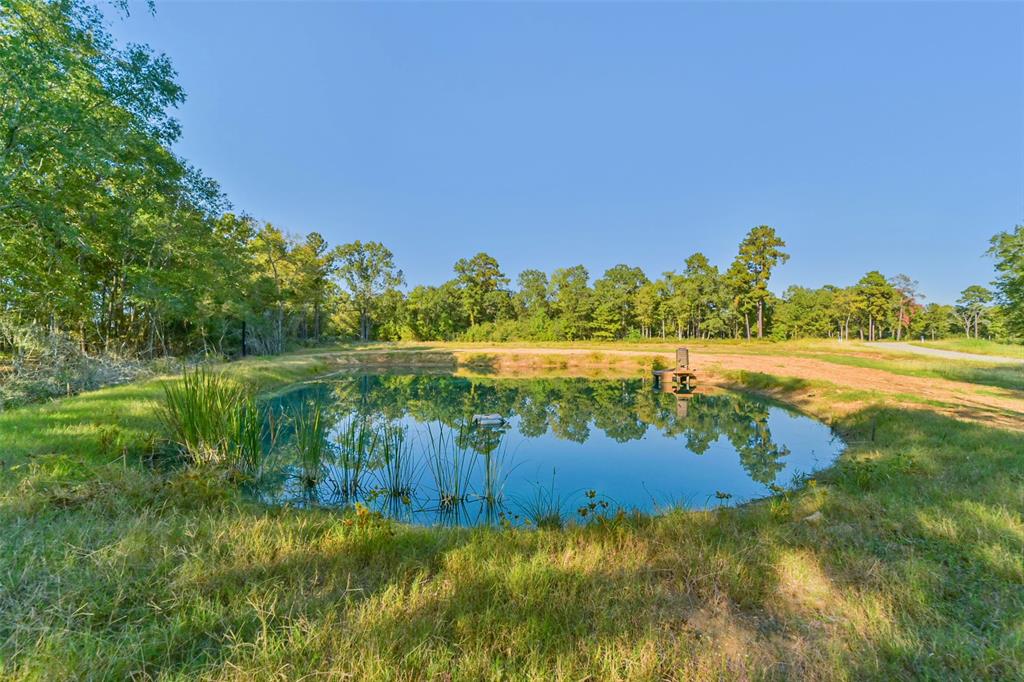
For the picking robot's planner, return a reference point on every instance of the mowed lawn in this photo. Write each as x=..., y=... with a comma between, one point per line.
x=113, y=569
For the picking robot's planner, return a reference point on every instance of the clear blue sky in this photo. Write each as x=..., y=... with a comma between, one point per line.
x=873, y=136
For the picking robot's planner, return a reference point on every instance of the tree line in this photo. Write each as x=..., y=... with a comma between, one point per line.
x=700, y=301
x=111, y=240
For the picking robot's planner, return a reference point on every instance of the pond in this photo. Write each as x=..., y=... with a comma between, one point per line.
x=408, y=446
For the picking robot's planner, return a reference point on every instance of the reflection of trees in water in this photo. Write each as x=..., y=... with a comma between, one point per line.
x=747, y=430
x=567, y=407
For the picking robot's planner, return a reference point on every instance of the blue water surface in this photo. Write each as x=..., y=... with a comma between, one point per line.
x=577, y=448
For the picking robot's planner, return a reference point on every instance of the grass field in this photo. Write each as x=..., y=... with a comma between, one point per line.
x=979, y=346
x=914, y=570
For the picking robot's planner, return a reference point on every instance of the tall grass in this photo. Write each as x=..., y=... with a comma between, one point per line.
x=544, y=508
x=201, y=411
x=397, y=476
x=311, y=445
x=253, y=434
x=217, y=421
x=356, y=443
x=451, y=465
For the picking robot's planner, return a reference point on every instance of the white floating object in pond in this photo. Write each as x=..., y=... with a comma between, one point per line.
x=488, y=419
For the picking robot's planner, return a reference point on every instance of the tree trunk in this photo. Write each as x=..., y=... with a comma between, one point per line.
x=746, y=321
x=760, y=319
x=280, y=329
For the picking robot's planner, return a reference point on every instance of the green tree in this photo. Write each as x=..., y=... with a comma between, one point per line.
x=435, y=312
x=224, y=305
x=532, y=299
x=1008, y=250
x=806, y=312
x=271, y=250
x=367, y=271
x=705, y=295
x=647, y=304
x=760, y=252
x=739, y=282
x=615, y=301
x=104, y=233
x=847, y=303
x=907, y=301
x=479, y=278
x=572, y=301
x=934, y=321
x=972, y=306
x=876, y=297
x=315, y=263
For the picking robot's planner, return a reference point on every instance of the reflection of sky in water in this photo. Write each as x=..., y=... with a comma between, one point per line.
x=636, y=448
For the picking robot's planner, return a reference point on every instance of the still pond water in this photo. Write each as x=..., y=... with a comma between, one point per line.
x=407, y=445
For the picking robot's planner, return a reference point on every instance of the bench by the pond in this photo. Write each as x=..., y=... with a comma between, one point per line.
x=678, y=378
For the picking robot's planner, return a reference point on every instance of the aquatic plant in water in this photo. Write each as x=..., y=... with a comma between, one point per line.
x=356, y=442
x=253, y=433
x=496, y=469
x=311, y=445
x=451, y=464
x=397, y=476
x=544, y=507
x=594, y=507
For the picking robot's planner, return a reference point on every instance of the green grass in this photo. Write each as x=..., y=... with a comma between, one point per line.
x=122, y=422
x=109, y=570
x=978, y=373
x=979, y=346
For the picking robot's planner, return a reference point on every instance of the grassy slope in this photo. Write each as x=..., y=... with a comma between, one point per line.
x=970, y=372
x=107, y=570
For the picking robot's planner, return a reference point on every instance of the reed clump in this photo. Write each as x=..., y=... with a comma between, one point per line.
x=214, y=420
x=397, y=476
x=451, y=464
x=355, y=443
x=311, y=444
